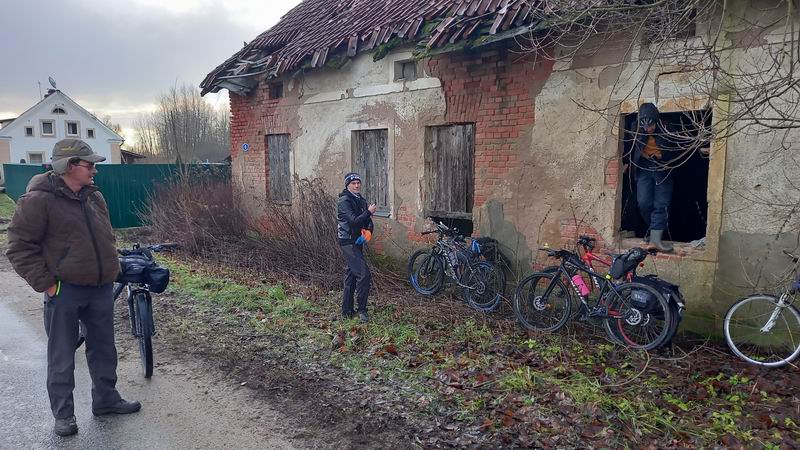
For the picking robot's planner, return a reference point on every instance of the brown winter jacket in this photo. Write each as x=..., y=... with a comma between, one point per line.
x=57, y=234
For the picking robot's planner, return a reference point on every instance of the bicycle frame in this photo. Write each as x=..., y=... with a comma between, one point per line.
x=606, y=287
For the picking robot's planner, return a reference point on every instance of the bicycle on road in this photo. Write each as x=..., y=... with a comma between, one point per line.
x=763, y=329
x=141, y=275
x=482, y=281
x=633, y=314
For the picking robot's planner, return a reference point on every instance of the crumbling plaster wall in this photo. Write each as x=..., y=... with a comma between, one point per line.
x=547, y=166
x=762, y=173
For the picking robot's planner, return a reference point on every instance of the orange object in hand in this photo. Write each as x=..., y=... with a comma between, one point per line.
x=367, y=235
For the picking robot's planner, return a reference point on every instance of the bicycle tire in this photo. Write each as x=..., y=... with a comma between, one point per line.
x=430, y=266
x=493, y=280
x=756, y=323
x=633, y=321
x=523, y=300
x=131, y=312
x=144, y=332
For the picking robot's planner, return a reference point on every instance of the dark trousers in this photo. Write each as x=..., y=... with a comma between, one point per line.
x=654, y=197
x=357, y=280
x=94, y=307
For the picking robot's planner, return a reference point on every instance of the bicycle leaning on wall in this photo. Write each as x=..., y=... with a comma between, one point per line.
x=763, y=329
x=482, y=281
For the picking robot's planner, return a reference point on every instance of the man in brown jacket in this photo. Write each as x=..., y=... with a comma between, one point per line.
x=61, y=242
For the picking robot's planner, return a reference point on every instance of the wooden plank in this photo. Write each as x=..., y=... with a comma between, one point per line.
x=371, y=160
x=450, y=168
x=280, y=177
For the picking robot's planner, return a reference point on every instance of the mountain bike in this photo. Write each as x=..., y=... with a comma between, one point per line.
x=632, y=313
x=482, y=281
x=140, y=275
x=623, y=268
x=763, y=329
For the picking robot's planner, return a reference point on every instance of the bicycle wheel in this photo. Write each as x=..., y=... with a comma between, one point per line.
x=426, y=272
x=537, y=311
x=639, y=316
x=751, y=339
x=486, y=283
x=144, y=332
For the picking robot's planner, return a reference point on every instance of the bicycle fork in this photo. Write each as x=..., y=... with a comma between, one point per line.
x=774, y=316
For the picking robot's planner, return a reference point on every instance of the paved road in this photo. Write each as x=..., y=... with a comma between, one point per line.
x=183, y=406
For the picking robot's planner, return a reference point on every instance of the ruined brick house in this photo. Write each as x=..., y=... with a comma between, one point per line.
x=496, y=140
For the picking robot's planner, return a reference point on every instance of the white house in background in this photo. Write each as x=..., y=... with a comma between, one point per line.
x=31, y=136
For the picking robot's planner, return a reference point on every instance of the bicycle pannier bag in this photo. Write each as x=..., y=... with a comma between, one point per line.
x=157, y=278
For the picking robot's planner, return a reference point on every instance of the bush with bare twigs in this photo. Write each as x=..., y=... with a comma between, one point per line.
x=205, y=216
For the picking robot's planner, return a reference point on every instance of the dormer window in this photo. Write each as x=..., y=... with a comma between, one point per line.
x=59, y=110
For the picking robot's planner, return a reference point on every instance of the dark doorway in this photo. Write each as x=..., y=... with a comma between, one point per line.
x=688, y=213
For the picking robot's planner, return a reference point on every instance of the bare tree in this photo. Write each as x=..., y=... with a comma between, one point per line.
x=184, y=128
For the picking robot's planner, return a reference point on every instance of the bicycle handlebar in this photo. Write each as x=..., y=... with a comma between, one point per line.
x=155, y=248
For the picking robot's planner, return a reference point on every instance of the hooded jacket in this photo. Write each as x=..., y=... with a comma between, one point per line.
x=650, y=111
x=352, y=216
x=58, y=235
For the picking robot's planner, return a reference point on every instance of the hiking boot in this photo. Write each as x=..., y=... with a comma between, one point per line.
x=656, y=242
x=65, y=426
x=363, y=316
x=121, y=407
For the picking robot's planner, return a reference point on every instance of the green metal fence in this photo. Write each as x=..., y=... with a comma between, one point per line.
x=126, y=187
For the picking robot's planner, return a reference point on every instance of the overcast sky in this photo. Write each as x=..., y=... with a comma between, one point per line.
x=115, y=57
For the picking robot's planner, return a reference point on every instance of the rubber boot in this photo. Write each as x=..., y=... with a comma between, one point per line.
x=655, y=241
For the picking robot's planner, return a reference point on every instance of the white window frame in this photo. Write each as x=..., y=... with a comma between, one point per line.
x=91, y=130
x=77, y=132
x=33, y=132
x=28, y=155
x=52, y=127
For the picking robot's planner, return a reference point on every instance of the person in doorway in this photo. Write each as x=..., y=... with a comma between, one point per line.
x=61, y=242
x=354, y=228
x=651, y=151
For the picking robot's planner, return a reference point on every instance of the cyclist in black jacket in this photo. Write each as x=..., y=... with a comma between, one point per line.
x=353, y=216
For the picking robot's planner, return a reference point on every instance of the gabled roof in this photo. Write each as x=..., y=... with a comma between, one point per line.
x=316, y=30
x=50, y=98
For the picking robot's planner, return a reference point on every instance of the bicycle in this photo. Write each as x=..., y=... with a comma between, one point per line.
x=623, y=267
x=770, y=326
x=140, y=275
x=482, y=282
x=632, y=313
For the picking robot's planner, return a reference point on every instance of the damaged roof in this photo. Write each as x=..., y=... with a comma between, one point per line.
x=316, y=31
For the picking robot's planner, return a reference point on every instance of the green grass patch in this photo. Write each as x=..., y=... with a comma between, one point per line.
x=7, y=207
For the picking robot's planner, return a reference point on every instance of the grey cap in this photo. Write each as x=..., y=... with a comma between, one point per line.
x=69, y=149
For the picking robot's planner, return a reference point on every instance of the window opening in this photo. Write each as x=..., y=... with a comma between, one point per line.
x=275, y=90
x=405, y=70
x=371, y=161
x=48, y=128
x=280, y=176
x=687, y=216
x=35, y=158
x=72, y=129
x=59, y=110
x=90, y=133
x=29, y=131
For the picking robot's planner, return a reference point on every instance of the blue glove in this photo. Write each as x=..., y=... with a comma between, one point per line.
x=360, y=240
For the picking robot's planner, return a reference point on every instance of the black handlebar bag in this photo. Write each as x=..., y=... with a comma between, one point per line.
x=138, y=268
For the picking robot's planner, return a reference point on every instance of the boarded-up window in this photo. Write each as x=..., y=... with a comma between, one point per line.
x=371, y=161
x=280, y=176
x=449, y=170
